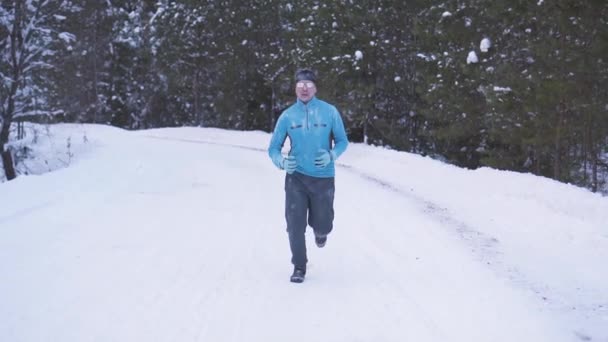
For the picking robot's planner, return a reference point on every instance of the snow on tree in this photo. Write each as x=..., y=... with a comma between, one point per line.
x=485, y=45
x=28, y=40
x=358, y=55
x=472, y=58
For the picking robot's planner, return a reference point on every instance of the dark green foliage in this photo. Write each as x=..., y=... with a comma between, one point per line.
x=397, y=70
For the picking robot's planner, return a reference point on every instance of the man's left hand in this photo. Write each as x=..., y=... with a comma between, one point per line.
x=323, y=158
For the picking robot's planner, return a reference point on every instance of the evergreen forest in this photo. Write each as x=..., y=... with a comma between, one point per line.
x=518, y=85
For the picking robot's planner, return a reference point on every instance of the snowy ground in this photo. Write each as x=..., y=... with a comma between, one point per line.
x=178, y=235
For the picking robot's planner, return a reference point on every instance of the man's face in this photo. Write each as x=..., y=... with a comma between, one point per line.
x=305, y=90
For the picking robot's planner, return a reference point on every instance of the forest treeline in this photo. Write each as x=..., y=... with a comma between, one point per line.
x=512, y=84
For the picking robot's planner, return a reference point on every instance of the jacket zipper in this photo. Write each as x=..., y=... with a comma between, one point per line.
x=307, y=125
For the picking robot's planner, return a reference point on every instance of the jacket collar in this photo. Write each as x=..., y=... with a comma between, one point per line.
x=312, y=101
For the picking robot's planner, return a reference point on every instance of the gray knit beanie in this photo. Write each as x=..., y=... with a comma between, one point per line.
x=306, y=75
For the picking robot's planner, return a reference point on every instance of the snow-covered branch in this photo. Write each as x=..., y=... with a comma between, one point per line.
x=38, y=112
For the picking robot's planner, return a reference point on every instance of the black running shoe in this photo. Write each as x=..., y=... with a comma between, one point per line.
x=320, y=241
x=298, y=275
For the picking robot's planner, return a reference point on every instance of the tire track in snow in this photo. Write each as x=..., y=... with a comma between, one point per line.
x=485, y=247
x=206, y=142
x=26, y=211
x=480, y=240
x=442, y=214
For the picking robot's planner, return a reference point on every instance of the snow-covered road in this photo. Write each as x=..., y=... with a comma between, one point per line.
x=170, y=240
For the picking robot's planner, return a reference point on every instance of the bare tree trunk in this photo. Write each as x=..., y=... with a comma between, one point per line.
x=9, y=169
x=95, y=82
x=7, y=158
x=594, y=183
x=7, y=119
x=365, y=128
x=537, y=154
x=20, y=130
x=274, y=111
x=557, y=143
x=591, y=150
x=198, y=113
x=586, y=146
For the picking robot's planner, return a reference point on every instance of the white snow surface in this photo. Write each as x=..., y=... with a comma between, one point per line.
x=179, y=235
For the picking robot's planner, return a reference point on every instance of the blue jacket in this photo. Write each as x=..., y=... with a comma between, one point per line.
x=310, y=127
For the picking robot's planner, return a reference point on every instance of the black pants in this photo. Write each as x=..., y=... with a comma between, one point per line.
x=308, y=201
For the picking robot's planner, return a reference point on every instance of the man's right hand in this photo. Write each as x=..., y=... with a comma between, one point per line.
x=289, y=164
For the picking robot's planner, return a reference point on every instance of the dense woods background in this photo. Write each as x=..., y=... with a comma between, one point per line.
x=512, y=84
